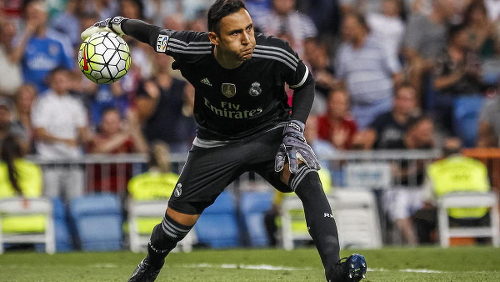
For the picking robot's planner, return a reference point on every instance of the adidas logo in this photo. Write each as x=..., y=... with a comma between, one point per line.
x=206, y=81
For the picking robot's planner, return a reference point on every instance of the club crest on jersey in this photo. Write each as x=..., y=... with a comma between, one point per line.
x=228, y=89
x=255, y=89
x=161, y=43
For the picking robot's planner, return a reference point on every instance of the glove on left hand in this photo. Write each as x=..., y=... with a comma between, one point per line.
x=294, y=147
x=110, y=25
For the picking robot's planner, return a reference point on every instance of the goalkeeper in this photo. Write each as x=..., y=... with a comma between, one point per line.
x=244, y=124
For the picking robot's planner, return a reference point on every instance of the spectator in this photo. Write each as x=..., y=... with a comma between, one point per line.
x=337, y=126
x=387, y=26
x=25, y=97
x=326, y=16
x=18, y=176
x=400, y=203
x=10, y=57
x=458, y=79
x=60, y=124
x=115, y=136
x=453, y=173
x=284, y=19
x=367, y=71
x=423, y=44
x=489, y=123
x=159, y=181
x=317, y=56
x=480, y=30
x=8, y=124
x=160, y=107
x=41, y=54
x=389, y=128
x=68, y=23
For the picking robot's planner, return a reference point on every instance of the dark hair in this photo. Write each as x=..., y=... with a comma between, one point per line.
x=415, y=121
x=454, y=30
x=220, y=9
x=11, y=149
x=473, y=6
x=403, y=85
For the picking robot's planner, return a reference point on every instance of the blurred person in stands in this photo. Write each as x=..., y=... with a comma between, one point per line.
x=160, y=107
x=400, y=202
x=10, y=72
x=42, y=53
x=453, y=173
x=285, y=19
x=68, y=23
x=388, y=26
x=25, y=98
x=18, y=176
x=159, y=181
x=9, y=125
x=458, y=82
x=425, y=38
x=480, y=30
x=366, y=69
x=317, y=56
x=489, y=123
x=115, y=136
x=61, y=128
x=337, y=126
x=389, y=128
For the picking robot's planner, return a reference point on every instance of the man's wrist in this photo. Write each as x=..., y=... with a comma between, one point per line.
x=295, y=125
x=115, y=24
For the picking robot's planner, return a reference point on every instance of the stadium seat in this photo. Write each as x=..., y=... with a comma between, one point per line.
x=98, y=220
x=292, y=221
x=356, y=214
x=468, y=200
x=368, y=175
x=40, y=228
x=143, y=216
x=253, y=206
x=217, y=227
x=357, y=218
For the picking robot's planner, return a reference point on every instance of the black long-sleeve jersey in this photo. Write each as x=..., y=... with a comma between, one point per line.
x=232, y=103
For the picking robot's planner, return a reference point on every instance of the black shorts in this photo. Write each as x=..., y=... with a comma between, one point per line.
x=208, y=171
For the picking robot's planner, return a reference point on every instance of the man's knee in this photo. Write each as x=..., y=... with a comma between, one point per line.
x=182, y=218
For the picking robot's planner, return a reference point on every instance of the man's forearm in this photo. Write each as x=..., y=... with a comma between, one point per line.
x=302, y=102
x=139, y=30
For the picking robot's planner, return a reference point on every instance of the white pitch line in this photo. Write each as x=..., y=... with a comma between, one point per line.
x=245, y=266
x=406, y=270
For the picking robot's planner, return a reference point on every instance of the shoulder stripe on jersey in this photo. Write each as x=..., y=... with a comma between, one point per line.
x=304, y=78
x=257, y=55
x=190, y=43
x=284, y=51
x=184, y=51
x=294, y=63
x=207, y=47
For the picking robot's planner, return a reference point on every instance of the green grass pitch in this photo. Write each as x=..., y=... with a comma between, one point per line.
x=388, y=264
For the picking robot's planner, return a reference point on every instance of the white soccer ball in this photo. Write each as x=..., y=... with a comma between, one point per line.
x=104, y=57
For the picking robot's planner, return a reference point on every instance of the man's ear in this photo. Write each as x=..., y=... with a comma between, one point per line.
x=214, y=39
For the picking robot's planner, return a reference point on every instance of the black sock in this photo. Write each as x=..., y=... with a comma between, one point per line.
x=164, y=239
x=319, y=218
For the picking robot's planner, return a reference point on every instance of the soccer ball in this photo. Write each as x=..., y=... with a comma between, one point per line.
x=104, y=57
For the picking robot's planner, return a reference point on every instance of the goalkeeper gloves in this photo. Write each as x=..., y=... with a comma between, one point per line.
x=294, y=148
x=110, y=25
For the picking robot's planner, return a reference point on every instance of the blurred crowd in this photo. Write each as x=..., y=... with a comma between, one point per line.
x=378, y=66
x=390, y=74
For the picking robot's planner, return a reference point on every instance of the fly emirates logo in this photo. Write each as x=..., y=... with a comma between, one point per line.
x=230, y=110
